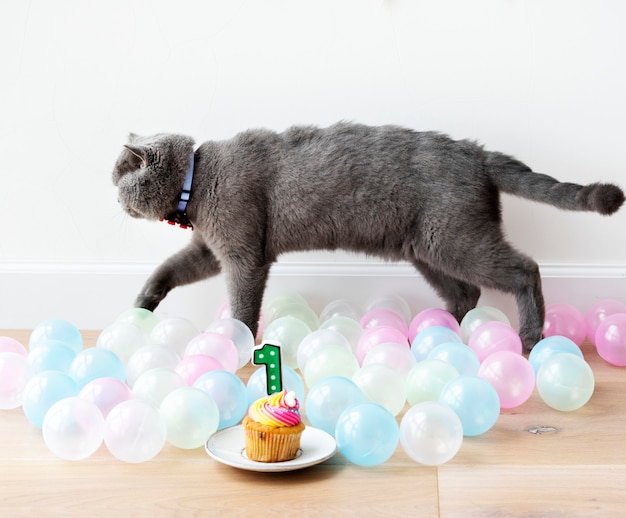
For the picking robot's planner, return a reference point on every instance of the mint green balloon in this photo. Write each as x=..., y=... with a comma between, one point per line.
x=565, y=382
x=287, y=332
x=329, y=360
x=426, y=380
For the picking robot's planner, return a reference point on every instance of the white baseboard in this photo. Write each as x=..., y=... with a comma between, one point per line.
x=91, y=295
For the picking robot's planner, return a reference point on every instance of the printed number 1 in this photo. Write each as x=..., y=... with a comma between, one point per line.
x=269, y=355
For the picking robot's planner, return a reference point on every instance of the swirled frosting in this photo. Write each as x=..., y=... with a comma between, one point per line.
x=279, y=409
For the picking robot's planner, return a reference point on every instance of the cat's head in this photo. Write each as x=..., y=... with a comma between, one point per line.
x=150, y=173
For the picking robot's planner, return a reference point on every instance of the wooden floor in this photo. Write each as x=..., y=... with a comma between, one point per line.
x=575, y=467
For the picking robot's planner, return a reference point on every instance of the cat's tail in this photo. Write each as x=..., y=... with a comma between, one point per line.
x=514, y=177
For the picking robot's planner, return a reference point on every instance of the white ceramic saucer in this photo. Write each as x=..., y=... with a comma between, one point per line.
x=228, y=446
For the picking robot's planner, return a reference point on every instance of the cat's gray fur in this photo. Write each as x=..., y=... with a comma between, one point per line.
x=386, y=191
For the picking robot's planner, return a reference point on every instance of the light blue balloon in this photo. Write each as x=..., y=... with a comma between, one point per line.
x=56, y=329
x=42, y=391
x=367, y=434
x=475, y=401
x=228, y=392
x=96, y=362
x=257, y=384
x=429, y=338
x=52, y=355
x=328, y=399
x=459, y=355
x=550, y=346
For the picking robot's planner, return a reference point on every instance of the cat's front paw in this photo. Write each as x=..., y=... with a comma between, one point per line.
x=150, y=299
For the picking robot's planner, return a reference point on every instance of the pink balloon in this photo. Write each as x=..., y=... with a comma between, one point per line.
x=218, y=346
x=384, y=317
x=565, y=320
x=598, y=312
x=494, y=336
x=611, y=339
x=193, y=366
x=378, y=335
x=106, y=393
x=11, y=345
x=512, y=375
x=432, y=317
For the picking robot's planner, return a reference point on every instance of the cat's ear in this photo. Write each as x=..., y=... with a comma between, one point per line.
x=139, y=152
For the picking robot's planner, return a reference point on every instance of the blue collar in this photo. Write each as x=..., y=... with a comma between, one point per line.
x=180, y=216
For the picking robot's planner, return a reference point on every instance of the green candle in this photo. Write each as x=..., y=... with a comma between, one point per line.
x=269, y=355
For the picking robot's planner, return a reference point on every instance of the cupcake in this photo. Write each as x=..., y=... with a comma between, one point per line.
x=273, y=428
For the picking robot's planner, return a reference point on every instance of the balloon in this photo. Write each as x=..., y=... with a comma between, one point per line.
x=154, y=384
x=375, y=336
x=565, y=382
x=257, y=384
x=479, y=315
x=141, y=317
x=426, y=380
x=124, y=339
x=228, y=392
x=394, y=355
x=598, y=312
x=382, y=385
x=339, y=308
x=276, y=303
x=52, y=355
x=239, y=333
x=73, y=428
x=565, y=320
x=96, y=362
x=384, y=317
x=549, y=346
x=174, y=332
x=134, y=431
x=429, y=338
x=394, y=302
x=11, y=345
x=304, y=313
x=475, y=401
x=611, y=339
x=431, y=433
x=216, y=345
x=317, y=339
x=458, y=355
x=494, y=336
x=511, y=375
x=56, y=329
x=193, y=366
x=367, y=434
x=42, y=391
x=224, y=312
x=432, y=317
x=106, y=393
x=191, y=417
x=287, y=332
x=328, y=399
x=14, y=373
x=329, y=360
x=150, y=357
x=348, y=327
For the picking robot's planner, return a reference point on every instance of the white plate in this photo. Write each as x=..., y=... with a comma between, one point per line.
x=228, y=446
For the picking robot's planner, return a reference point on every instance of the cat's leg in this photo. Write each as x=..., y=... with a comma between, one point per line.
x=459, y=296
x=193, y=263
x=246, y=285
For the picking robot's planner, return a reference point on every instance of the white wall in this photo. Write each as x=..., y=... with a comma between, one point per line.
x=544, y=81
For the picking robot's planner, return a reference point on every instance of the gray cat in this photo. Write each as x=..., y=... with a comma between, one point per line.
x=386, y=191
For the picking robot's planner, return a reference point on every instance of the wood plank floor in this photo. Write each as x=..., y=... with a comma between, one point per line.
x=534, y=462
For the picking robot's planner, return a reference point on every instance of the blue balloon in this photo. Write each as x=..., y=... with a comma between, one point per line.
x=328, y=399
x=257, y=384
x=549, y=346
x=43, y=390
x=52, y=355
x=367, y=434
x=96, y=362
x=475, y=401
x=429, y=338
x=459, y=355
x=56, y=329
x=228, y=392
